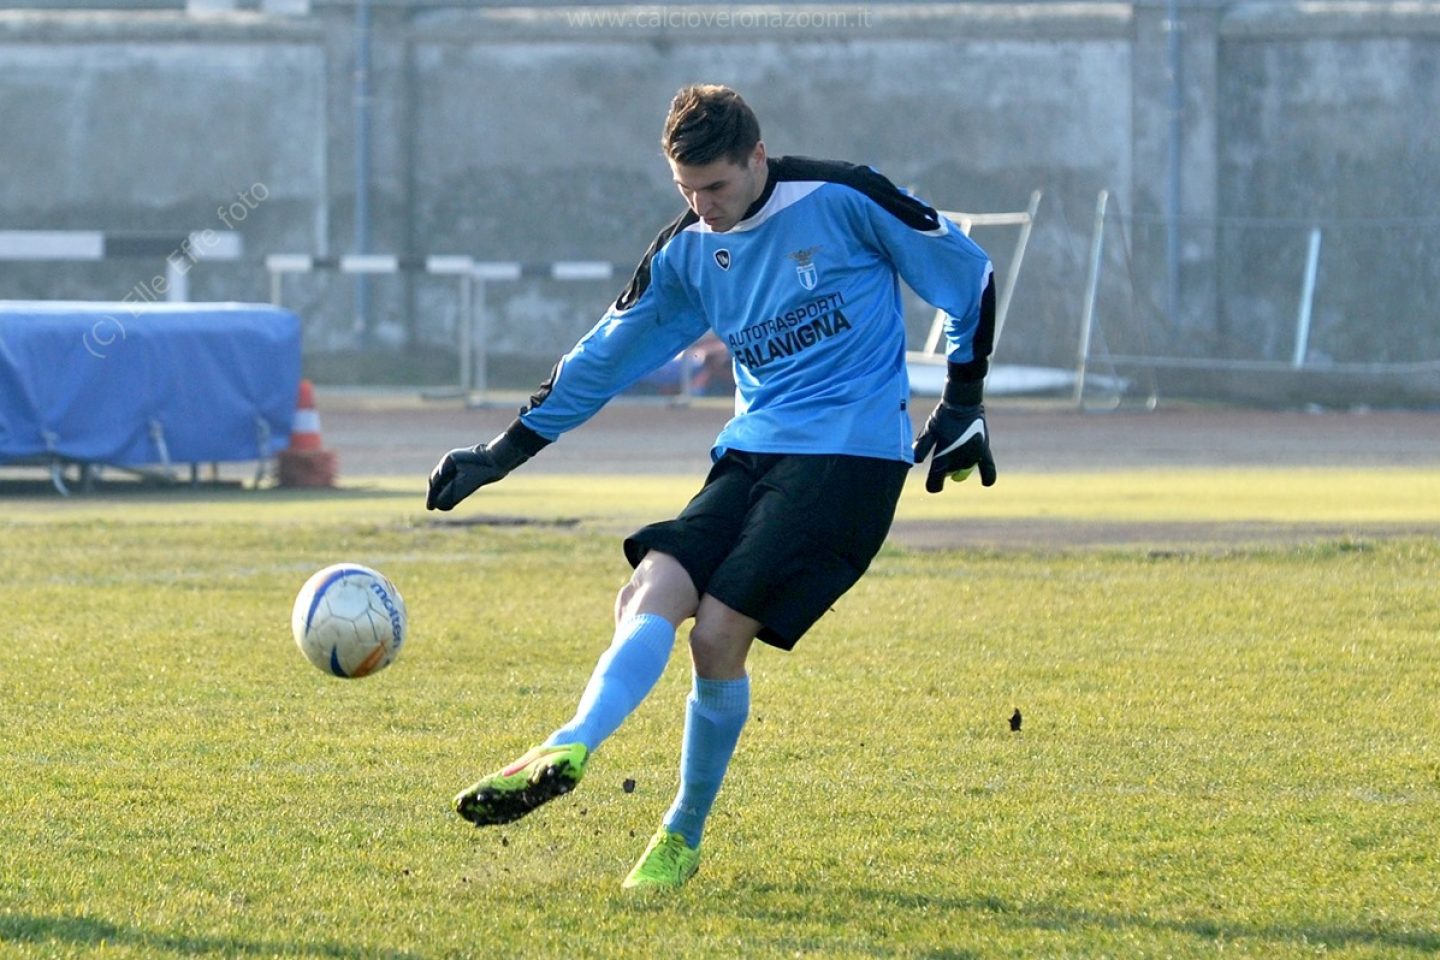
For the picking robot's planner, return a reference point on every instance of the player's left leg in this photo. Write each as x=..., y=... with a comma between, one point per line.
x=715, y=713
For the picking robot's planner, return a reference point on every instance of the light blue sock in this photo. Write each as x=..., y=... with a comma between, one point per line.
x=623, y=677
x=714, y=716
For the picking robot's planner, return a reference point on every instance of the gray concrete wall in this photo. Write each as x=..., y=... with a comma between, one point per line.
x=1332, y=121
x=156, y=123
x=532, y=135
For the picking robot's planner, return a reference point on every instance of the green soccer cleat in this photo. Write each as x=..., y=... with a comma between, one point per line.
x=665, y=865
x=536, y=778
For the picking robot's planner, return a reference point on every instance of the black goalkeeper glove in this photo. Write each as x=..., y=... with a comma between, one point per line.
x=958, y=435
x=464, y=470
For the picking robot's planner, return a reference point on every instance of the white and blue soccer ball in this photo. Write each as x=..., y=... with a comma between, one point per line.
x=349, y=620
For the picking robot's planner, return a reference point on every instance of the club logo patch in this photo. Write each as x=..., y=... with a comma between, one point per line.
x=722, y=257
x=805, y=267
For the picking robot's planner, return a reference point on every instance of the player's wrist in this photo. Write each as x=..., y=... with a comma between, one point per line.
x=965, y=384
x=514, y=446
x=524, y=439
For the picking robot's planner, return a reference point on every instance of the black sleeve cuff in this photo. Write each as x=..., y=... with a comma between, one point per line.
x=965, y=383
x=525, y=439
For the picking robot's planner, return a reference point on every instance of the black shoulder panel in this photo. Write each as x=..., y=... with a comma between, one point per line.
x=912, y=212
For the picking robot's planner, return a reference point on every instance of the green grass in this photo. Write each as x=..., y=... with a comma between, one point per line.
x=1225, y=751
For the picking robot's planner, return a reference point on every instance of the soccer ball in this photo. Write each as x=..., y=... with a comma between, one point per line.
x=349, y=620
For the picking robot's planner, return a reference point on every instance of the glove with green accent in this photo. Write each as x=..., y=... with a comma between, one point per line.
x=464, y=470
x=958, y=435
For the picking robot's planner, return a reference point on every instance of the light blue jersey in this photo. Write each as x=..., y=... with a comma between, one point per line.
x=805, y=291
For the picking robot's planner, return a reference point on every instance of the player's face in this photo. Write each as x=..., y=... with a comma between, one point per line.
x=721, y=192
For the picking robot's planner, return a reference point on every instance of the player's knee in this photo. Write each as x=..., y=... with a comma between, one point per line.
x=659, y=586
x=625, y=599
x=718, y=653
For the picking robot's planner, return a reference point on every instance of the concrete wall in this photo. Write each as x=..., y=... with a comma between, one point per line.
x=157, y=123
x=532, y=135
x=1332, y=122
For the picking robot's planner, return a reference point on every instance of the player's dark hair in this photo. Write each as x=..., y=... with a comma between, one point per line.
x=708, y=122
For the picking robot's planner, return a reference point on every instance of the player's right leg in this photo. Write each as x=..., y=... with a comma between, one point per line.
x=658, y=597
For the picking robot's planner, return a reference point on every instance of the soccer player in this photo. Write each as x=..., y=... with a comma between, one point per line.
x=795, y=264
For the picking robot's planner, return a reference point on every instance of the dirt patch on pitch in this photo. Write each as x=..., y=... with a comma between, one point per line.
x=484, y=520
x=1024, y=534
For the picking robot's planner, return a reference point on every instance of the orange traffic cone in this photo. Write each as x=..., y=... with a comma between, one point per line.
x=306, y=463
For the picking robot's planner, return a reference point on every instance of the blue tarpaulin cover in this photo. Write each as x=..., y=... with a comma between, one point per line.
x=134, y=385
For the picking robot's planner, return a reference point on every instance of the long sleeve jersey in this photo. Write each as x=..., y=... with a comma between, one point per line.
x=805, y=291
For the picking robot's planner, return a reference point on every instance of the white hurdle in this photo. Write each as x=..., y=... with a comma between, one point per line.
x=472, y=276
x=180, y=252
x=1025, y=220
x=927, y=365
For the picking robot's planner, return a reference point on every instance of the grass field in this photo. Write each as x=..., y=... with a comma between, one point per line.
x=1227, y=751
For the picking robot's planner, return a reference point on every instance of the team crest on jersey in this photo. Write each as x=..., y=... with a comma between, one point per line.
x=722, y=257
x=805, y=267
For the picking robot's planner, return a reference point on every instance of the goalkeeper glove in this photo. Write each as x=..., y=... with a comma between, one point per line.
x=958, y=435
x=464, y=470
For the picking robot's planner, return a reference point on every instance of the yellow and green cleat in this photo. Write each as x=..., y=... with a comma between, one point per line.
x=666, y=863
x=538, y=777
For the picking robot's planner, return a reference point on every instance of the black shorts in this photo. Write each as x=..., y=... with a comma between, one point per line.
x=779, y=537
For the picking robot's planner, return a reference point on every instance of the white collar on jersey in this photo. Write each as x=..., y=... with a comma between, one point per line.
x=785, y=193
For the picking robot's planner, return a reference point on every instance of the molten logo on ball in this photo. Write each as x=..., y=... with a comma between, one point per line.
x=349, y=620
